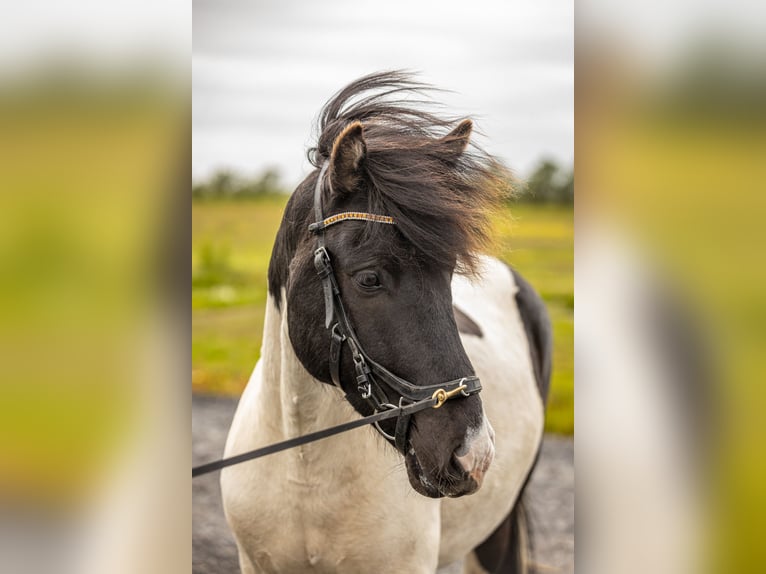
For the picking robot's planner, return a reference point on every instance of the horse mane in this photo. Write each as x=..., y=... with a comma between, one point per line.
x=440, y=198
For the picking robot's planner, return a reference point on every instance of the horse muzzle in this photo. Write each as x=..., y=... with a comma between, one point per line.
x=464, y=471
x=477, y=453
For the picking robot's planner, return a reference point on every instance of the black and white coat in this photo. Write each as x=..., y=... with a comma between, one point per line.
x=345, y=504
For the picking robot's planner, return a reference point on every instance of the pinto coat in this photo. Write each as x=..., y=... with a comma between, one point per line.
x=344, y=504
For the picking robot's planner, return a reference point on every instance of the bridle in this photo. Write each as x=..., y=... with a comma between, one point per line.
x=369, y=374
x=371, y=377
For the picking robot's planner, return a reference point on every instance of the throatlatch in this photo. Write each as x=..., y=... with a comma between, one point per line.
x=370, y=374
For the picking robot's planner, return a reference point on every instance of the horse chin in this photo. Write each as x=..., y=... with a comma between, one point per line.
x=418, y=479
x=423, y=484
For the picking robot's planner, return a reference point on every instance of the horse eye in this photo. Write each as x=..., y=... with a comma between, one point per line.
x=368, y=279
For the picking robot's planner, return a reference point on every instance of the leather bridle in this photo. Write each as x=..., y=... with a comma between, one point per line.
x=371, y=377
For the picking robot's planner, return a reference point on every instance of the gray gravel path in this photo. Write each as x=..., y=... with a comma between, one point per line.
x=550, y=497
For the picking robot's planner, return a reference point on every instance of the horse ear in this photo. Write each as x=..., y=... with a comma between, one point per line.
x=457, y=140
x=348, y=153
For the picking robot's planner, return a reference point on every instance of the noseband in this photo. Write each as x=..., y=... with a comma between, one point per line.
x=370, y=374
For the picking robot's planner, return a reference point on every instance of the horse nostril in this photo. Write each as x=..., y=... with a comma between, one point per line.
x=461, y=450
x=464, y=459
x=456, y=470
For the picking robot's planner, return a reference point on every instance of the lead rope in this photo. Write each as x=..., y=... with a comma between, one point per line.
x=436, y=401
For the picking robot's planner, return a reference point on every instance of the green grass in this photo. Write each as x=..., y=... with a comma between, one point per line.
x=539, y=242
x=231, y=247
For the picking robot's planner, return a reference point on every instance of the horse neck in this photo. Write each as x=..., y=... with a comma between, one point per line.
x=294, y=401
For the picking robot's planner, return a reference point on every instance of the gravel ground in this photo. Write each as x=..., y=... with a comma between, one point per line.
x=550, y=497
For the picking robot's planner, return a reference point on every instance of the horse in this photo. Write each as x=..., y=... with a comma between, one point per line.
x=379, y=292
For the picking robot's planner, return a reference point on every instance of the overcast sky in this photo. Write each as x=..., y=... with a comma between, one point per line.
x=262, y=70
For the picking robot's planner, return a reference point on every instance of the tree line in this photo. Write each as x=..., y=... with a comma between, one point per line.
x=226, y=184
x=548, y=183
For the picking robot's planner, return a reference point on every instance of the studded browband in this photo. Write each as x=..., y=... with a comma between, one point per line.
x=346, y=215
x=369, y=374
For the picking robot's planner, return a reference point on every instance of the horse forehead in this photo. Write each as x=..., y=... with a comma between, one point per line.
x=355, y=245
x=356, y=235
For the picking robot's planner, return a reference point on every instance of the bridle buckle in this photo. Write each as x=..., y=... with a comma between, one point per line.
x=363, y=384
x=443, y=396
x=322, y=262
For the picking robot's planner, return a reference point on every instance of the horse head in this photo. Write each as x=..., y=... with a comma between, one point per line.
x=422, y=197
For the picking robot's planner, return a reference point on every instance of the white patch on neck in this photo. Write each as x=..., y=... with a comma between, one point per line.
x=327, y=493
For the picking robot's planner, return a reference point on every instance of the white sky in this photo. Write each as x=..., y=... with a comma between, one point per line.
x=262, y=70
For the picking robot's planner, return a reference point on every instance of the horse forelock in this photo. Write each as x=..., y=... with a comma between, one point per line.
x=441, y=200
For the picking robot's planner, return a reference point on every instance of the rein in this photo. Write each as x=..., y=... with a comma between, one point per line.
x=369, y=374
x=437, y=400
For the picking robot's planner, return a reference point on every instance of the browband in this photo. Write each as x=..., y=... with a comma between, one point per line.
x=357, y=215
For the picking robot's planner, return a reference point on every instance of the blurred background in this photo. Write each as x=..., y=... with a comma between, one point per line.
x=94, y=180
x=261, y=73
x=671, y=141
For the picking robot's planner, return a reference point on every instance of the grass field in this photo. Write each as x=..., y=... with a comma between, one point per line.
x=231, y=246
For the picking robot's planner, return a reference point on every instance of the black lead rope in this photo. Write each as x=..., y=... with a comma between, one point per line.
x=434, y=402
